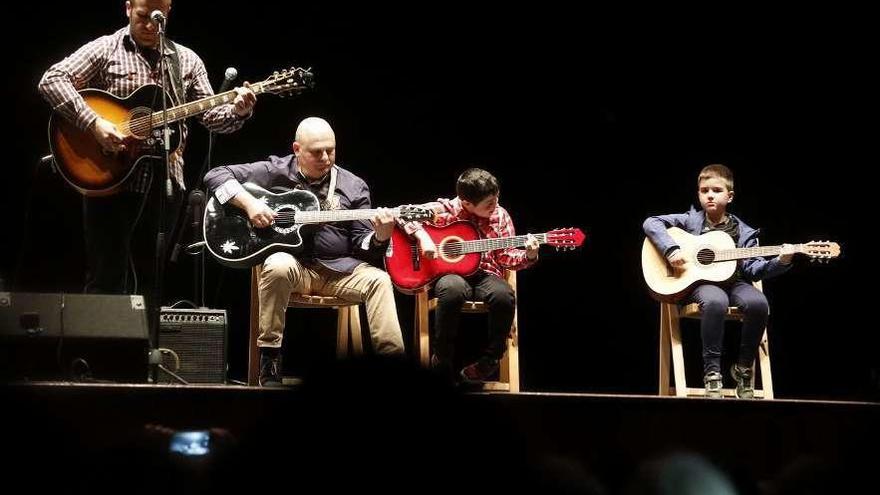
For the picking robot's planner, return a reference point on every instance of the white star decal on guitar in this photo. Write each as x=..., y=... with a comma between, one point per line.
x=228, y=247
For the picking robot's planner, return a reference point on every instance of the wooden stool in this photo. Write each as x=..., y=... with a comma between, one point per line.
x=348, y=323
x=670, y=340
x=509, y=364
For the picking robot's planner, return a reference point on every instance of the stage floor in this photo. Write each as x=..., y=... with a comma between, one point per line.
x=609, y=437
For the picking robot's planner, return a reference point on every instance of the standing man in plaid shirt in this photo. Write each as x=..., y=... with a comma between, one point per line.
x=477, y=201
x=120, y=63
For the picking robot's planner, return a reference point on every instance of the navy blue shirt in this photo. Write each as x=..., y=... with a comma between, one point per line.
x=338, y=245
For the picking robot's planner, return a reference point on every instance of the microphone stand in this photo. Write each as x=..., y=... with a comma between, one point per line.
x=199, y=253
x=165, y=173
x=191, y=227
x=194, y=210
x=199, y=261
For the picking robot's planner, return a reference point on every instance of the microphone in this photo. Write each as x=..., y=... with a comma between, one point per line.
x=158, y=17
x=231, y=75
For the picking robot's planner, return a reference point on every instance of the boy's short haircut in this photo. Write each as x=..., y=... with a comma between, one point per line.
x=476, y=184
x=719, y=171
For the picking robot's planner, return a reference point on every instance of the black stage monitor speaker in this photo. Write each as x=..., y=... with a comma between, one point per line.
x=197, y=337
x=81, y=337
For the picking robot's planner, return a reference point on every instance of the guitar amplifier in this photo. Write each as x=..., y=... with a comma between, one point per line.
x=198, y=337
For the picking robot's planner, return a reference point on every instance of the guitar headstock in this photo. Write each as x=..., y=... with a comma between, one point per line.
x=569, y=238
x=288, y=81
x=820, y=250
x=415, y=213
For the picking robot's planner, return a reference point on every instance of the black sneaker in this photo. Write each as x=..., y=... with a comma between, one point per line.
x=443, y=369
x=712, y=381
x=745, y=387
x=270, y=369
x=481, y=371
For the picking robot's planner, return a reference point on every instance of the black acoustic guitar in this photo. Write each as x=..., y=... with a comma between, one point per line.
x=234, y=241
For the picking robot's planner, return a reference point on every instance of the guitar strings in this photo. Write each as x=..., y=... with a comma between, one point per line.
x=140, y=126
x=326, y=214
x=457, y=248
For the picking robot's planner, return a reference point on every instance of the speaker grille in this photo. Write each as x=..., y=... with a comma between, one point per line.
x=198, y=337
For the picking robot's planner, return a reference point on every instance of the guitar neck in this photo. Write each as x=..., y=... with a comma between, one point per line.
x=491, y=244
x=754, y=252
x=192, y=108
x=304, y=217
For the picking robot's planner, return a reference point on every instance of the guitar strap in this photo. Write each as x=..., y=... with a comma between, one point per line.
x=331, y=203
x=174, y=74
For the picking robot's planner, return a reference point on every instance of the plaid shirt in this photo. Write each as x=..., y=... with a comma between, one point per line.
x=116, y=64
x=499, y=224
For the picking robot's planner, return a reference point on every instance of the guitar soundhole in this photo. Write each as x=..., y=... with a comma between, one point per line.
x=285, y=219
x=706, y=256
x=139, y=124
x=450, y=249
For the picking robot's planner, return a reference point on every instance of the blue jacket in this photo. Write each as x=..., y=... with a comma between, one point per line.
x=753, y=269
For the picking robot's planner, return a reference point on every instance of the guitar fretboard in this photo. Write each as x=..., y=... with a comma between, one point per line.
x=753, y=252
x=491, y=244
x=199, y=106
x=325, y=216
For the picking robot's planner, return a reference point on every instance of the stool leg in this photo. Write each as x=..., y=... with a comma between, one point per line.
x=354, y=325
x=677, y=351
x=342, y=332
x=665, y=346
x=766, y=375
x=513, y=362
x=253, y=351
x=421, y=339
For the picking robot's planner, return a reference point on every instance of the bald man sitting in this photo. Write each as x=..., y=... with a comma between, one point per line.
x=332, y=259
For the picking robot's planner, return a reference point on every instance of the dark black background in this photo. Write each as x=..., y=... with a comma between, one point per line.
x=590, y=118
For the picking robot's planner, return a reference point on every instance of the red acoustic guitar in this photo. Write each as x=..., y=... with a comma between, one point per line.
x=459, y=249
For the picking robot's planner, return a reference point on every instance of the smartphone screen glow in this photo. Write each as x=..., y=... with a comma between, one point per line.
x=190, y=443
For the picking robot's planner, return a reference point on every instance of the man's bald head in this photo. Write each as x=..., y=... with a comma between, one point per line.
x=315, y=147
x=314, y=128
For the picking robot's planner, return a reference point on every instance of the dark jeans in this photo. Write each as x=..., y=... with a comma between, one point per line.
x=112, y=226
x=452, y=291
x=713, y=301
